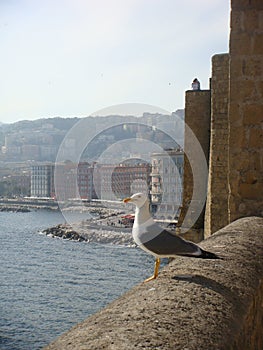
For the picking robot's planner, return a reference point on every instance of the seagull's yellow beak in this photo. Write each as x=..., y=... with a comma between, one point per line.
x=126, y=200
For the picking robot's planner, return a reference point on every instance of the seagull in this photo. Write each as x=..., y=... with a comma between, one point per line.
x=161, y=243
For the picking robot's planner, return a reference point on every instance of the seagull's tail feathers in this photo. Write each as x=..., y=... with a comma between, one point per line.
x=208, y=255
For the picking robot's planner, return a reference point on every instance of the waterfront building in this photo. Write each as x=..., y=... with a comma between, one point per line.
x=15, y=181
x=90, y=181
x=20, y=183
x=42, y=180
x=66, y=181
x=73, y=181
x=166, y=183
x=85, y=181
x=118, y=181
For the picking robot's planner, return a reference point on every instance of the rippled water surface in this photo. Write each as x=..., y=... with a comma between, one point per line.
x=48, y=285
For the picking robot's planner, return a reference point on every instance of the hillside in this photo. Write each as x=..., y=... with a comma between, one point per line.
x=39, y=140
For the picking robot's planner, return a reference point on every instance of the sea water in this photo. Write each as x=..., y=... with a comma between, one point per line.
x=49, y=284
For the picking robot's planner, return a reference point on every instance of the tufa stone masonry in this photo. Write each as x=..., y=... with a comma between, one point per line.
x=245, y=157
x=228, y=122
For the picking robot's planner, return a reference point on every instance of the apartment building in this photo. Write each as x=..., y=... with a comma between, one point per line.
x=85, y=181
x=162, y=179
x=42, y=180
x=73, y=180
x=118, y=181
x=166, y=183
x=66, y=181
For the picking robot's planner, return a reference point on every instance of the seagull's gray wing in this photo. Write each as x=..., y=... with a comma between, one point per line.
x=168, y=244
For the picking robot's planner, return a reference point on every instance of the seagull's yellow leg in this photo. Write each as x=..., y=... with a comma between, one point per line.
x=156, y=269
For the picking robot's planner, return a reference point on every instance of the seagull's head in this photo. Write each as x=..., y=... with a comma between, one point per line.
x=139, y=199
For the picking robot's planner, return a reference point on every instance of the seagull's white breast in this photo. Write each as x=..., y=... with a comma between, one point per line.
x=141, y=233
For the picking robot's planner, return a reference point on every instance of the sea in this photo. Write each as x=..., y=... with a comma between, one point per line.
x=50, y=284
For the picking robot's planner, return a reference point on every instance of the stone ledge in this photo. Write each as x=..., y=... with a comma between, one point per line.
x=193, y=304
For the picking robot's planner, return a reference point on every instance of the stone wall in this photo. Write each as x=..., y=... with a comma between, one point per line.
x=216, y=215
x=235, y=181
x=197, y=118
x=246, y=109
x=193, y=304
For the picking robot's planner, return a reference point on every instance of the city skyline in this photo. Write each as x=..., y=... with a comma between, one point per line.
x=72, y=58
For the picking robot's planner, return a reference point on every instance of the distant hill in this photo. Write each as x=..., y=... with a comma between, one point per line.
x=40, y=139
x=57, y=123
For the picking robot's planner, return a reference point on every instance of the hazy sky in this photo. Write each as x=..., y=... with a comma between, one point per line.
x=74, y=57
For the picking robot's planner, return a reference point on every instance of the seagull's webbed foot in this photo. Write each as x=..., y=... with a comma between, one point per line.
x=156, y=269
x=153, y=277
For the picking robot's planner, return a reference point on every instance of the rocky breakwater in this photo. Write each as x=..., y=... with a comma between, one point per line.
x=63, y=231
x=14, y=209
x=91, y=233
x=105, y=226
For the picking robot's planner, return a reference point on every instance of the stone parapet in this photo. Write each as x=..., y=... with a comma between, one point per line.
x=216, y=215
x=193, y=304
x=246, y=110
x=197, y=119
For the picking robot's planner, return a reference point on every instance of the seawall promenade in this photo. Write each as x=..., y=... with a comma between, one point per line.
x=20, y=204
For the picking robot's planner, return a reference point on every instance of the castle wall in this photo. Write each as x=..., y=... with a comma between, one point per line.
x=216, y=214
x=197, y=118
x=246, y=109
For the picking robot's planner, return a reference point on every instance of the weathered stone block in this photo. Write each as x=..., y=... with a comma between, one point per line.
x=253, y=114
x=236, y=69
x=245, y=90
x=241, y=44
x=256, y=138
x=236, y=116
x=251, y=191
x=239, y=160
x=251, y=20
x=241, y=90
x=246, y=4
x=260, y=20
x=256, y=160
x=237, y=137
x=259, y=87
x=258, y=44
x=237, y=21
x=251, y=177
x=251, y=67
